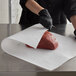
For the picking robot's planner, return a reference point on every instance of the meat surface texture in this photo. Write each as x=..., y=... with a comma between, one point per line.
x=48, y=41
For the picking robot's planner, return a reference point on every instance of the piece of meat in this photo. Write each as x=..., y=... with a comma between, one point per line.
x=48, y=41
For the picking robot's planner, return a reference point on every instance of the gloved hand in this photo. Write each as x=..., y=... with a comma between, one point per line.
x=45, y=19
x=75, y=34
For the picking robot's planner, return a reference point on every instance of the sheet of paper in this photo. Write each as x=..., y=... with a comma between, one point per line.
x=46, y=59
x=31, y=35
x=67, y=45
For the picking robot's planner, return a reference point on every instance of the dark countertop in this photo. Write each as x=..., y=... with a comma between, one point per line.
x=11, y=64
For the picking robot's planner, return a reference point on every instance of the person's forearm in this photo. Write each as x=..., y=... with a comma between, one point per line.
x=33, y=6
x=73, y=20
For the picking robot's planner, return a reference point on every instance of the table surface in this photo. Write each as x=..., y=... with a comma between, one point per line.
x=11, y=64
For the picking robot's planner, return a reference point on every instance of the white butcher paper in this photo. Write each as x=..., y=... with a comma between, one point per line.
x=31, y=35
x=46, y=59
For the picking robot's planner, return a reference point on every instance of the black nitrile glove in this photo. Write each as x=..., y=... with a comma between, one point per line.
x=45, y=19
x=75, y=34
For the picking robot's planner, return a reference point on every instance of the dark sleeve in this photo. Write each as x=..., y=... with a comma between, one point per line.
x=70, y=8
x=22, y=3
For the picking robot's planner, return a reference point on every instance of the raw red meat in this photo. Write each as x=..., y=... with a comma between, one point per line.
x=48, y=41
